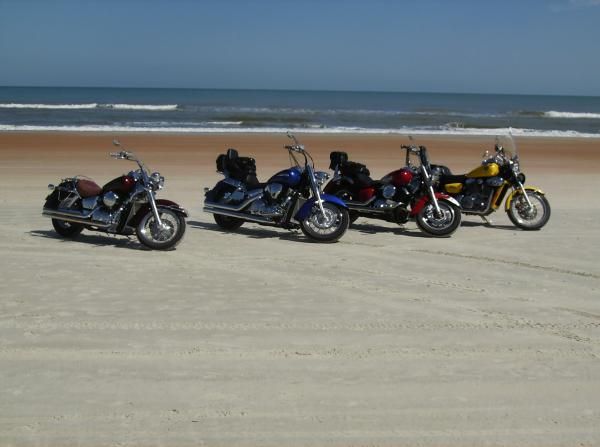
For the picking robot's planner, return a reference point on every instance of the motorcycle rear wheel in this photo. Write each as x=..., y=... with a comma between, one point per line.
x=67, y=229
x=346, y=196
x=328, y=228
x=435, y=226
x=529, y=219
x=228, y=223
x=157, y=238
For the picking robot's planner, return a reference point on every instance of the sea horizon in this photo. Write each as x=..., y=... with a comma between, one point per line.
x=207, y=110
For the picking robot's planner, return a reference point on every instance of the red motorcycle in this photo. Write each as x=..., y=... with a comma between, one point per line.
x=125, y=205
x=403, y=194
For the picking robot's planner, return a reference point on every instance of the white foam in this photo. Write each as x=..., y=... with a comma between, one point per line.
x=573, y=115
x=140, y=107
x=333, y=130
x=224, y=123
x=48, y=106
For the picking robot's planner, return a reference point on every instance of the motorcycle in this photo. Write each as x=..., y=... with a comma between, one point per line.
x=403, y=194
x=290, y=199
x=481, y=191
x=125, y=205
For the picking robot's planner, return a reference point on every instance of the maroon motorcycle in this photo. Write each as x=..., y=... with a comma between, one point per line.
x=403, y=194
x=125, y=205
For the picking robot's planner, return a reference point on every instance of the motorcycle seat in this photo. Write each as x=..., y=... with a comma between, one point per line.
x=88, y=188
x=446, y=179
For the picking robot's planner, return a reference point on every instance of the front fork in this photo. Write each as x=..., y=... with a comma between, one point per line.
x=316, y=191
x=522, y=188
x=436, y=205
x=154, y=209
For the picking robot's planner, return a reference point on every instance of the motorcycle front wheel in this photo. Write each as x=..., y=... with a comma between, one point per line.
x=326, y=228
x=439, y=226
x=156, y=237
x=526, y=217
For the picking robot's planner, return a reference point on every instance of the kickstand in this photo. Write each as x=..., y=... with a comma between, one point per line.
x=487, y=221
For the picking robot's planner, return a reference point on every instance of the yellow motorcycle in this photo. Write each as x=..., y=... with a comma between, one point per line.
x=482, y=190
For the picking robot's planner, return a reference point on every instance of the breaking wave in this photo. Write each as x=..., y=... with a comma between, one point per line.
x=93, y=105
x=572, y=115
x=443, y=130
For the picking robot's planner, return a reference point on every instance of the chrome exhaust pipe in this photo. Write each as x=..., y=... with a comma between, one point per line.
x=75, y=217
x=239, y=207
x=243, y=216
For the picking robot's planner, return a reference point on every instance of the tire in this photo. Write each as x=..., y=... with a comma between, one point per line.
x=329, y=229
x=439, y=227
x=67, y=229
x=62, y=227
x=526, y=219
x=161, y=239
x=228, y=223
x=346, y=195
x=225, y=222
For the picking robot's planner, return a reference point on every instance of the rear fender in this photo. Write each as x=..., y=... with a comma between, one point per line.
x=424, y=199
x=304, y=211
x=161, y=203
x=516, y=192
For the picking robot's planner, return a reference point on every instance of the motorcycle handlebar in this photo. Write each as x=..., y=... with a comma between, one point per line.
x=294, y=148
x=412, y=149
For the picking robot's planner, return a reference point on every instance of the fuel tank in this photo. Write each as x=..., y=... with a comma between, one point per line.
x=489, y=170
x=122, y=184
x=400, y=177
x=288, y=177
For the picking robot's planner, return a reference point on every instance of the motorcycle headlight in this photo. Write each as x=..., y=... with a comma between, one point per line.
x=158, y=181
x=321, y=177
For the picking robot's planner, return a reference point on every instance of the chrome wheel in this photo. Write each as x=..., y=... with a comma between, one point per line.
x=164, y=236
x=328, y=226
x=433, y=224
x=528, y=217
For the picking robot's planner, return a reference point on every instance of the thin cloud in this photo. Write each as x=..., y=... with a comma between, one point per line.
x=574, y=4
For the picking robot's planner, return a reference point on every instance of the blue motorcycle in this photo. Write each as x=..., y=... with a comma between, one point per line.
x=291, y=199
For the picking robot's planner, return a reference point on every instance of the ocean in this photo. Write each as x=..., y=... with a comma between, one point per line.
x=207, y=110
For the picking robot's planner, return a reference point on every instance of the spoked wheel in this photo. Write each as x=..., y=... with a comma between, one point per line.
x=439, y=226
x=528, y=217
x=328, y=227
x=67, y=229
x=161, y=237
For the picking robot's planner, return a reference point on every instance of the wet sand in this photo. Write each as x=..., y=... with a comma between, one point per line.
x=490, y=337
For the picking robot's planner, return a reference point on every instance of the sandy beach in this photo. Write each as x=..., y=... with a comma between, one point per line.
x=258, y=338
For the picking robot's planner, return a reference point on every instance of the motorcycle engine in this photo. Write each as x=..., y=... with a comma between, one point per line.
x=477, y=193
x=110, y=199
x=385, y=204
x=273, y=190
x=262, y=208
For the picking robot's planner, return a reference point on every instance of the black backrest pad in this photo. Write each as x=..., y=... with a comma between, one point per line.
x=337, y=158
x=352, y=168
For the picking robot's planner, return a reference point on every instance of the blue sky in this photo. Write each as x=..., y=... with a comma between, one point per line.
x=508, y=46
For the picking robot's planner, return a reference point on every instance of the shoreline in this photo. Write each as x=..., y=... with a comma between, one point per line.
x=468, y=133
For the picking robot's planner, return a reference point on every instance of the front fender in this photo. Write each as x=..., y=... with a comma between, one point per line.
x=304, y=211
x=515, y=192
x=164, y=203
x=423, y=200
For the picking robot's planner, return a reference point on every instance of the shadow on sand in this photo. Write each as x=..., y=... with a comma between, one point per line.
x=95, y=240
x=256, y=233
